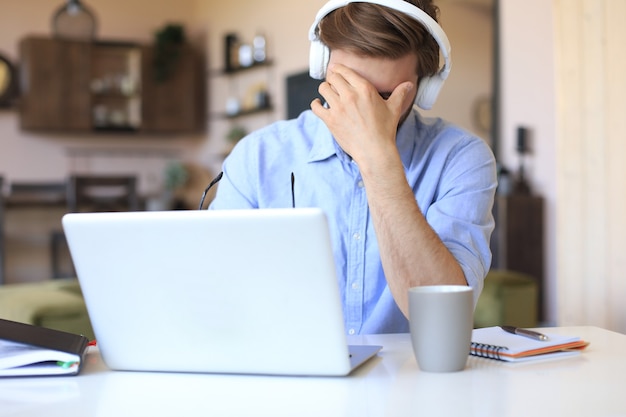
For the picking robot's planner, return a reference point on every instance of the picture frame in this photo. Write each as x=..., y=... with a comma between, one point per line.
x=8, y=82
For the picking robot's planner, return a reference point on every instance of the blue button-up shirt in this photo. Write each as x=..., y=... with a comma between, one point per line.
x=452, y=174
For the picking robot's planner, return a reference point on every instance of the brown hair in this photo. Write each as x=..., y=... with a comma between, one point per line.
x=372, y=30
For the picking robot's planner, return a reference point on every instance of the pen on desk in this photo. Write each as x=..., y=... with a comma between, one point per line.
x=525, y=332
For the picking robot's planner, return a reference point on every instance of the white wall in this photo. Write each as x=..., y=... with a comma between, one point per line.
x=470, y=30
x=527, y=65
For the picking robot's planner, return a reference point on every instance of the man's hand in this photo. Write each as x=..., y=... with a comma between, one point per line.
x=361, y=120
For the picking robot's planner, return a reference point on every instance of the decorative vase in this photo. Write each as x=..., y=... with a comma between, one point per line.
x=74, y=20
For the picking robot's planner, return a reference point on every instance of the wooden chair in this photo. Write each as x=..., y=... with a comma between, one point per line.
x=38, y=193
x=102, y=193
x=92, y=193
x=41, y=193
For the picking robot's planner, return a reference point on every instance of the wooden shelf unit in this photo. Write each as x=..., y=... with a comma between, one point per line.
x=77, y=86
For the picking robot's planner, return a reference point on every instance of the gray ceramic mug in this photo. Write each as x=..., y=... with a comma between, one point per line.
x=441, y=322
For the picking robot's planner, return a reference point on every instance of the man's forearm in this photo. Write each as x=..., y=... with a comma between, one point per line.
x=411, y=252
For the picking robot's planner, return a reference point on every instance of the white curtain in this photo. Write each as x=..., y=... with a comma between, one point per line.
x=590, y=42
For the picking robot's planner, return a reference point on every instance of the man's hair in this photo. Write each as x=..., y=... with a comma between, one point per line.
x=372, y=30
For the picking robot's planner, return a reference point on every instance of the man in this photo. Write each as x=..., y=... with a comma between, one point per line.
x=408, y=199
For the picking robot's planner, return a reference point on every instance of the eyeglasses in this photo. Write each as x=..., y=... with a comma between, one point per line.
x=219, y=177
x=293, y=193
x=206, y=190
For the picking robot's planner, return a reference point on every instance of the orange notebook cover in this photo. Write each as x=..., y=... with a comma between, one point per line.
x=495, y=343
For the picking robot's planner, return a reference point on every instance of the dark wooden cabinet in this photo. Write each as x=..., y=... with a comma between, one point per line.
x=54, y=79
x=177, y=104
x=74, y=86
x=517, y=241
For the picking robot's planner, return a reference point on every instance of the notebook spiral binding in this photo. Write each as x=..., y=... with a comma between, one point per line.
x=486, y=351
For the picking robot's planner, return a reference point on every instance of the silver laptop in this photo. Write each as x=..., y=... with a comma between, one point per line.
x=227, y=291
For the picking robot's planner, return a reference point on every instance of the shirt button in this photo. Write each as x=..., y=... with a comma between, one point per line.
x=360, y=184
x=355, y=285
x=351, y=332
x=356, y=236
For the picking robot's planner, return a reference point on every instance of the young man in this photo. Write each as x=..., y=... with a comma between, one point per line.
x=408, y=199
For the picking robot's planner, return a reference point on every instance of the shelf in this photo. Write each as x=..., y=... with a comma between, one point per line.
x=116, y=96
x=238, y=70
x=76, y=86
x=37, y=194
x=247, y=112
x=115, y=129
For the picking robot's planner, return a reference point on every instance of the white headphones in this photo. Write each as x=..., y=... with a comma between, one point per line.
x=429, y=87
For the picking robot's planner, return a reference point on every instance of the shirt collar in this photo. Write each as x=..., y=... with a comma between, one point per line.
x=323, y=145
x=407, y=137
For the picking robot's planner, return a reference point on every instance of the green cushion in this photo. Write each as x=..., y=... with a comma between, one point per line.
x=508, y=298
x=56, y=304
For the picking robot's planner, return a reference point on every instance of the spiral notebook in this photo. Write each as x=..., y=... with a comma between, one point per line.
x=495, y=343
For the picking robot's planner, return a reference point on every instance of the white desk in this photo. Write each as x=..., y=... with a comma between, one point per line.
x=593, y=384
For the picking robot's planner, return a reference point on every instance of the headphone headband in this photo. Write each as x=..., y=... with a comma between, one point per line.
x=429, y=86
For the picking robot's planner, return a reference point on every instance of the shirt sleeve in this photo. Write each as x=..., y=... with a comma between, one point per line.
x=460, y=209
x=237, y=188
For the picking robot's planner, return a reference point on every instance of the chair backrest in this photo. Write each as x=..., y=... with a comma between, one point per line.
x=44, y=195
x=102, y=193
x=38, y=193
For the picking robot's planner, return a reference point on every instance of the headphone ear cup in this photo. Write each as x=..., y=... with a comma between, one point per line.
x=319, y=56
x=428, y=91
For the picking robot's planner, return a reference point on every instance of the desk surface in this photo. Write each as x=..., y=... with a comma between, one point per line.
x=592, y=384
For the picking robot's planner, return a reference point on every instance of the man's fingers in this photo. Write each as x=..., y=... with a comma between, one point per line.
x=401, y=94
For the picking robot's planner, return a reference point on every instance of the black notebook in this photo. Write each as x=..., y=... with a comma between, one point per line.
x=27, y=350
